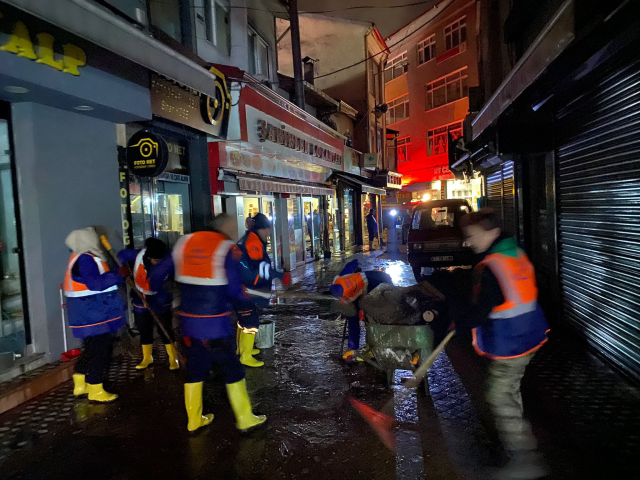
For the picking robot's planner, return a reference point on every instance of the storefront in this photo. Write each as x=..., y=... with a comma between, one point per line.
x=277, y=160
x=173, y=201
x=61, y=99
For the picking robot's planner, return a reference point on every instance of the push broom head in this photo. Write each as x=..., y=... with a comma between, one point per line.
x=380, y=422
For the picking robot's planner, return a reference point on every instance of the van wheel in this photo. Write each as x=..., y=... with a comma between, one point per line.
x=417, y=273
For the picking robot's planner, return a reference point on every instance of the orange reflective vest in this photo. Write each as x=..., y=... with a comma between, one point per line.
x=353, y=286
x=517, y=327
x=140, y=274
x=199, y=259
x=77, y=289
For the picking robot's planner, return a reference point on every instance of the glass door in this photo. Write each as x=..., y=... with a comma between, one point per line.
x=13, y=322
x=267, y=207
x=295, y=228
x=317, y=217
x=349, y=234
x=173, y=211
x=308, y=229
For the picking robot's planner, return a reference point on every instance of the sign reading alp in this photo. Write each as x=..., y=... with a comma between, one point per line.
x=147, y=154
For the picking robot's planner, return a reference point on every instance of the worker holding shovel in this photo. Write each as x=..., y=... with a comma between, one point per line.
x=508, y=327
x=257, y=274
x=207, y=272
x=95, y=311
x=146, y=264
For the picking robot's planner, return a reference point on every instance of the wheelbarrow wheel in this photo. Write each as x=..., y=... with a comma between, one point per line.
x=391, y=376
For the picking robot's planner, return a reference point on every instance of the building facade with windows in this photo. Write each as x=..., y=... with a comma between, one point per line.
x=427, y=78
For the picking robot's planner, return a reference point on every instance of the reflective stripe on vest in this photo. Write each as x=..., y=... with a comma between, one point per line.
x=352, y=285
x=516, y=277
x=77, y=289
x=140, y=274
x=200, y=257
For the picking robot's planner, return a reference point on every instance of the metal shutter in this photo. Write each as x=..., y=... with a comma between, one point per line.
x=501, y=195
x=598, y=177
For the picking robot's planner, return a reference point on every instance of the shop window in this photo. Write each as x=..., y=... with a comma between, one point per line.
x=427, y=50
x=403, y=149
x=258, y=55
x=165, y=15
x=398, y=109
x=437, y=142
x=455, y=34
x=396, y=67
x=447, y=89
x=218, y=31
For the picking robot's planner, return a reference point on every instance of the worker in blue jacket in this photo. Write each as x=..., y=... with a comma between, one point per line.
x=257, y=274
x=207, y=272
x=143, y=263
x=95, y=311
x=350, y=286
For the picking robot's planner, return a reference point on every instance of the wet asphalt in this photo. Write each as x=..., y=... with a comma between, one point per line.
x=587, y=418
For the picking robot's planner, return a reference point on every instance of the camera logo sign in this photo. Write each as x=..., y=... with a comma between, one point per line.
x=147, y=154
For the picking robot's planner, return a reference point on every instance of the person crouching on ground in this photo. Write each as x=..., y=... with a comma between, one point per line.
x=350, y=286
x=95, y=311
x=257, y=274
x=508, y=327
x=144, y=262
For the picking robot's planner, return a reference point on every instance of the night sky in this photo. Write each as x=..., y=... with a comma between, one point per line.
x=388, y=20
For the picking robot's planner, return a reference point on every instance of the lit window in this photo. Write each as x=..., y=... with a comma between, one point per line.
x=258, y=55
x=216, y=18
x=403, y=149
x=448, y=89
x=437, y=142
x=427, y=50
x=395, y=67
x=455, y=34
x=398, y=109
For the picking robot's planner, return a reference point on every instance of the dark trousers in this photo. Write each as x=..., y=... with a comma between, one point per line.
x=353, y=326
x=146, y=324
x=95, y=358
x=203, y=354
x=248, y=317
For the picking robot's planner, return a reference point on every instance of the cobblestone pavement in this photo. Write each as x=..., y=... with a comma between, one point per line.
x=586, y=418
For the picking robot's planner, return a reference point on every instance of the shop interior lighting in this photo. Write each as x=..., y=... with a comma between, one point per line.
x=83, y=108
x=393, y=212
x=15, y=89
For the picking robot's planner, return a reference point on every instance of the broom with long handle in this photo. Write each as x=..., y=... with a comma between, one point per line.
x=132, y=286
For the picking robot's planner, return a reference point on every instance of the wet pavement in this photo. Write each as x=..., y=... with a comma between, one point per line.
x=586, y=418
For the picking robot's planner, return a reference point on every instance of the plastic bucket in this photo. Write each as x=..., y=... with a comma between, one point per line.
x=266, y=336
x=71, y=354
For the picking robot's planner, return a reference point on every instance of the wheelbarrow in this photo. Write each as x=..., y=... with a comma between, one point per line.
x=397, y=346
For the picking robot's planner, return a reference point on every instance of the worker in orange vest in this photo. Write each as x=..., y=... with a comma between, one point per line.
x=95, y=311
x=144, y=262
x=508, y=327
x=207, y=272
x=350, y=286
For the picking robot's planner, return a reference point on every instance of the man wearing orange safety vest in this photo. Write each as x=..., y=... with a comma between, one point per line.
x=508, y=327
x=206, y=270
x=95, y=311
x=145, y=264
x=257, y=274
x=350, y=286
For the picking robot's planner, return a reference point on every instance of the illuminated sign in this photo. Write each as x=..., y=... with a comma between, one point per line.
x=147, y=154
x=71, y=59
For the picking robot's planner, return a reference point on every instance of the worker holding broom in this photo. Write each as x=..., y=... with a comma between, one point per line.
x=207, y=272
x=145, y=266
x=95, y=311
x=257, y=274
x=508, y=327
x=350, y=286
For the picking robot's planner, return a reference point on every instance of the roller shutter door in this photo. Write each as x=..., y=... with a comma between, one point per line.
x=598, y=180
x=501, y=195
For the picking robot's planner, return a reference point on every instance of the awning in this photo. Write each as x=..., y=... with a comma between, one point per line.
x=366, y=188
x=93, y=23
x=261, y=185
x=551, y=42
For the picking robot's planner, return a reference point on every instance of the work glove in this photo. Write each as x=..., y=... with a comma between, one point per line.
x=125, y=271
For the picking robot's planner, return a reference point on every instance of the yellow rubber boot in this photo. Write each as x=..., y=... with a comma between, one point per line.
x=254, y=351
x=241, y=405
x=79, y=384
x=174, y=364
x=97, y=393
x=193, y=402
x=246, y=349
x=147, y=359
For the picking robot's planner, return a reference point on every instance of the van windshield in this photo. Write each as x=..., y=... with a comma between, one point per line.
x=438, y=217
